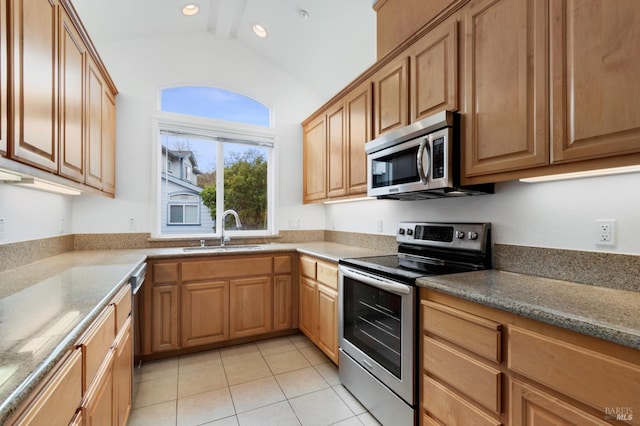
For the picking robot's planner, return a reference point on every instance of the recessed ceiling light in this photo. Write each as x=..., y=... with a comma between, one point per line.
x=259, y=30
x=190, y=9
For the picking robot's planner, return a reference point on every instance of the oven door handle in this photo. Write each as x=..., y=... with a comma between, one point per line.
x=390, y=286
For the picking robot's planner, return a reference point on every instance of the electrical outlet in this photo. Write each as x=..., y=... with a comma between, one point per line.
x=380, y=225
x=1, y=228
x=606, y=232
x=132, y=224
x=61, y=226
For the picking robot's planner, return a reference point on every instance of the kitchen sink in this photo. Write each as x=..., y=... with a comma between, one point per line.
x=217, y=249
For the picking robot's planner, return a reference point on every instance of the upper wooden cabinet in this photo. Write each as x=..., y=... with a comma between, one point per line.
x=391, y=92
x=397, y=20
x=550, y=87
x=434, y=71
x=506, y=85
x=337, y=155
x=595, y=89
x=34, y=89
x=62, y=100
x=335, y=164
x=3, y=78
x=72, y=94
x=315, y=160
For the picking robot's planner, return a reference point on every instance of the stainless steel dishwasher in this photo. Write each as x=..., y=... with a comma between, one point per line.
x=136, y=280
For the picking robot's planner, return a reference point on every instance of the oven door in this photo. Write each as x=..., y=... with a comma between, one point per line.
x=376, y=328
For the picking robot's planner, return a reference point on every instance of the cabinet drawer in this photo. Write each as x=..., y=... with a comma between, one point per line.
x=96, y=343
x=478, y=381
x=308, y=267
x=59, y=400
x=533, y=406
x=593, y=378
x=122, y=303
x=165, y=273
x=282, y=264
x=328, y=274
x=213, y=269
x=474, y=333
x=449, y=408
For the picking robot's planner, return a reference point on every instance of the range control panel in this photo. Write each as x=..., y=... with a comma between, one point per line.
x=463, y=236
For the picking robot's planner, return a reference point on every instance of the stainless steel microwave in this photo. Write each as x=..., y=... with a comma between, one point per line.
x=419, y=161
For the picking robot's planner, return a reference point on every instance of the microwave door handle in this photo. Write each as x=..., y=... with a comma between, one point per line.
x=422, y=150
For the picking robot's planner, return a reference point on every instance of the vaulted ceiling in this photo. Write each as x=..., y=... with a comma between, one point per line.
x=325, y=51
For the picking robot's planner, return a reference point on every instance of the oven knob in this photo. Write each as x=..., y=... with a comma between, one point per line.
x=460, y=235
x=401, y=231
x=473, y=235
x=409, y=231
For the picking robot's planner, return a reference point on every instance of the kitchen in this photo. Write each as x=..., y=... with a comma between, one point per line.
x=556, y=215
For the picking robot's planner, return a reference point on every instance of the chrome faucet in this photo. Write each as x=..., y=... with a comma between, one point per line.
x=224, y=239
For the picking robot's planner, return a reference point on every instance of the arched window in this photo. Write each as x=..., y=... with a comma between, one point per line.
x=212, y=102
x=210, y=166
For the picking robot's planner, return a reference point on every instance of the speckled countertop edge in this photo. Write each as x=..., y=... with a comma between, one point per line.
x=604, y=313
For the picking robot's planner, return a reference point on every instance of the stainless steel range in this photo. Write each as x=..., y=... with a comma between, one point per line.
x=378, y=310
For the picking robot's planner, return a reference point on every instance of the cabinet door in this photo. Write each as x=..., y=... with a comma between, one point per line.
x=72, y=54
x=282, y=295
x=391, y=96
x=34, y=82
x=531, y=407
x=315, y=161
x=595, y=89
x=164, y=318
x=307, y=297
x=204, y=313
x=98, y=405
x=358, y=132
x=94, y=115
x=123, y=373
x=3, y=78
x=251, y=306
x=337, y=159
x=327, y=321
x=434, y=71
x=506, y=90
x=109, y=143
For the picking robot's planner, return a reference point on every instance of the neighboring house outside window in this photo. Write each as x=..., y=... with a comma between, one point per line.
x=184, y=209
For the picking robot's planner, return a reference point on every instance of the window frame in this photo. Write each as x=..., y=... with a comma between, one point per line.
x=211, y=128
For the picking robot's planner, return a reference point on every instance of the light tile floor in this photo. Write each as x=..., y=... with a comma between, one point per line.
x=281, y=381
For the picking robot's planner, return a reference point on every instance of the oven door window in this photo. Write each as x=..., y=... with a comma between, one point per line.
x=372, y=323
x=395, y=169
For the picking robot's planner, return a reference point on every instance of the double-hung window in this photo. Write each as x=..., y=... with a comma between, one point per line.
x=207, y=167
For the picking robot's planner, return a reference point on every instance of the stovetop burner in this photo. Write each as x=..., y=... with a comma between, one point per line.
x=431, y=249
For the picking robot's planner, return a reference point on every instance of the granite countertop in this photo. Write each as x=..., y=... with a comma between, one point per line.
x=325, y=250
x=45, y=306
x=605, y=313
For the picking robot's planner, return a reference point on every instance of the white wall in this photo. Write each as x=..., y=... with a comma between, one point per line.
x=558, y=214
x=140, y=68
x=30, y=214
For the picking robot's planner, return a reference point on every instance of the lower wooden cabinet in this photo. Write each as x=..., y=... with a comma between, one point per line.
x=92, y=386
x=531, y=374
x=204, y=313
x=99, y=403
x=251, y=307
x=59, y=399
x=193, y=302
x=318, y=296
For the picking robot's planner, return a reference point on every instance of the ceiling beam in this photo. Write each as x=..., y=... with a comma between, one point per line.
x=225, y=16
